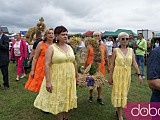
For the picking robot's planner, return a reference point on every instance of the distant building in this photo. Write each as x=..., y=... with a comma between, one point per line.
x=5, y=30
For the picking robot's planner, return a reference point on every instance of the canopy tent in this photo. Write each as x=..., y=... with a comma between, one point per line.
x=88, y=33
x=116, y=33
x=127, y=31
x=109, y=33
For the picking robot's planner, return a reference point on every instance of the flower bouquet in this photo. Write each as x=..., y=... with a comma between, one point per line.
x=91, y=77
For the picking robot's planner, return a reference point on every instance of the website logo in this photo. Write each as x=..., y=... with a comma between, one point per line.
x=142, y=111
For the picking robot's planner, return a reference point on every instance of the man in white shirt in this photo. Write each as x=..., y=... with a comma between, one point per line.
x=82, y=45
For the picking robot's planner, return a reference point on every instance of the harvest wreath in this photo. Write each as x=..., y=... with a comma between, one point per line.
x=90, y=76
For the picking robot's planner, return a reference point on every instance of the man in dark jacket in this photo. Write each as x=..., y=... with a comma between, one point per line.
x=4, y=58
x=153, y=74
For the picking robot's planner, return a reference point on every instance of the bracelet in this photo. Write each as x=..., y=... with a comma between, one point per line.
x=139, y=75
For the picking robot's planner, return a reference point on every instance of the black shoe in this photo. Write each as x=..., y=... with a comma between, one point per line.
x=100, y=101
x=4, y=87
x=90, y=99
x=45, y=112
x=117, y=115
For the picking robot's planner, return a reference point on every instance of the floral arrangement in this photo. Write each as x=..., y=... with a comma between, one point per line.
x=91, y=81
x=91, y=77
x=97, y=52
x=74, y=42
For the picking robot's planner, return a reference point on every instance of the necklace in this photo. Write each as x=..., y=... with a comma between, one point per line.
x=65, y=52
x=124, y=51
x=124, y=54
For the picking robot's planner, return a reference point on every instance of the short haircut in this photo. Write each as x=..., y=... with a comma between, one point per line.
x=140, y=34
x=131, y=33
x=122, y=34
x=96, y=33
x=110, y=37
x=19, y=34
x=38, y=34
x=60, y=29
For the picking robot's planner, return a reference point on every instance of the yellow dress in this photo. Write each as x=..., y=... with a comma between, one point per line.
x=62, y=73
x=121, y=78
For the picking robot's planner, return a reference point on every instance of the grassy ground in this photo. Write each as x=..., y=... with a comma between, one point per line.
x=16, y=103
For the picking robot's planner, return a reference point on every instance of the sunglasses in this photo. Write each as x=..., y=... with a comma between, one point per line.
x=96, y=35
x=125, y=39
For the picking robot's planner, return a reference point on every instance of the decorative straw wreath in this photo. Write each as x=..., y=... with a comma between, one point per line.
x=90, y=76
x=74, y=42
x=81, y=55
x=32, y=31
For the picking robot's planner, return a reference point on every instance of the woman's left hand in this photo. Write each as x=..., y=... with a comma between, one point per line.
x=77, y=82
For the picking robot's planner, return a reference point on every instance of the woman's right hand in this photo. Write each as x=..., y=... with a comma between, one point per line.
x=49, y=87
x=32, y=74
x=110, y=81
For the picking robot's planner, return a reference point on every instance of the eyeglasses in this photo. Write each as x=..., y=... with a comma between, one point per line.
x=125, y=39
x=96, y=35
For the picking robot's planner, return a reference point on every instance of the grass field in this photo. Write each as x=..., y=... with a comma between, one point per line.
x=16, y=103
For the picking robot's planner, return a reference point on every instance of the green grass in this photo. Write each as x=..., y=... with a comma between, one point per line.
x=16, y=103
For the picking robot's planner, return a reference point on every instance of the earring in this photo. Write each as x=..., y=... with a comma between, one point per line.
x=56, y=40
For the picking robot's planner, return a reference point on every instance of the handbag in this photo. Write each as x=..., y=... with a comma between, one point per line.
x=27, y=63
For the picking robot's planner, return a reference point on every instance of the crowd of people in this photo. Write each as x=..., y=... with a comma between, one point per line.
x=54, y=72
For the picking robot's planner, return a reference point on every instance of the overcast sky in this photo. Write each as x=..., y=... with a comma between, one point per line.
x=82, y=15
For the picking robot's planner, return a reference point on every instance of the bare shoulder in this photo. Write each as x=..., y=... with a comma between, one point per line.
x=39, y=44
x=115, y=50
x=50, y=48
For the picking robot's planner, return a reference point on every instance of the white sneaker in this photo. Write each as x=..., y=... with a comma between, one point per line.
x=143, y=76
x=17, y=79
x=24, y=75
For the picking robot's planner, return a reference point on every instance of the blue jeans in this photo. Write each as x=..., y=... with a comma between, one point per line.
x=140, y=62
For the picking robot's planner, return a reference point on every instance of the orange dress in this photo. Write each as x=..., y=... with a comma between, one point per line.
x=34, y=84
x=91, y=56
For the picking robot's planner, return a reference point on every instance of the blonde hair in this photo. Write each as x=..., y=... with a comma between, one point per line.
x=96, y=33
x=122, y=34
x=47, y=31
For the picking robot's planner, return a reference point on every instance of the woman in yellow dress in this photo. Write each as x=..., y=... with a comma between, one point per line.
x=58, y=91
x=120, y=73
